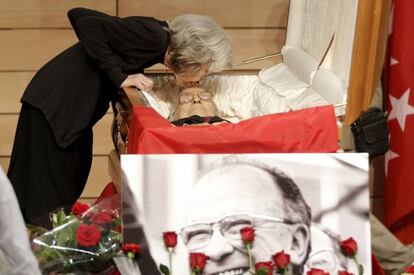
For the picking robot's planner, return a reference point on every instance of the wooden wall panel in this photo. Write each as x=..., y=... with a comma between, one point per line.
x=228, y=13
x=102, y=144
x=28, y=50
x=12, y=86
x=254, y=43
x=98, y=178
x=102, y=141
x=4, y=163
x=46, y=13
x=8, y=125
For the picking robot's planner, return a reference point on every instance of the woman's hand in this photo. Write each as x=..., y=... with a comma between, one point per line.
x=138, y=80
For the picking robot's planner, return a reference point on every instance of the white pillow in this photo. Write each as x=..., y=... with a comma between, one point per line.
x=160, y=106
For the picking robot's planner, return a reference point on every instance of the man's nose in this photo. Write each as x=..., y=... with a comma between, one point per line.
x=218, y=247
x=196, y=98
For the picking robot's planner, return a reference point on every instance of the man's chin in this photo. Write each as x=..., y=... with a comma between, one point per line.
x=233, y=271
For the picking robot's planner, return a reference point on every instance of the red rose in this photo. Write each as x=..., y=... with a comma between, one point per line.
x=409, y=269
x=131, y=247
x=87, y=235
x=281, y=260
x=198, y=261
x=316, y=271
x=344, y=272
x=170, y=239
x=247, y=234
x=264, y=266
x=349, y=247
x=101, y=218
x=118, y=228
x=79, y=208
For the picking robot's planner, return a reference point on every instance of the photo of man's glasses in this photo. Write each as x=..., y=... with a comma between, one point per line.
x=197, y=235
x=203, y=96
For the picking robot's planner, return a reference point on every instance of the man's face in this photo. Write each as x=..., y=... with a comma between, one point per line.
x=231, y=190
x=194, y=101
x=326, y=254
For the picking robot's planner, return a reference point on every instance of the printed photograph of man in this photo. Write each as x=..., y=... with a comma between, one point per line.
x=298, y=203
x=247, y=194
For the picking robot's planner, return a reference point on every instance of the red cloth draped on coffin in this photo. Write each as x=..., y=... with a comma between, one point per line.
x=307, y=130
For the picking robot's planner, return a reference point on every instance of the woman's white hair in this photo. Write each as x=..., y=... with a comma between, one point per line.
x=197, y=40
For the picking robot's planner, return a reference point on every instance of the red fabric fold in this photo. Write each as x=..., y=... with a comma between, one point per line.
x=307, y=130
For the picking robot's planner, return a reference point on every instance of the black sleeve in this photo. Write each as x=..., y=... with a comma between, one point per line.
x=114, y=43
x=88, y=29
x=76, y=13
x=93, y=36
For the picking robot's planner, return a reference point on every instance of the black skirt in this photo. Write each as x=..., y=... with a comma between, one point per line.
x=44, y=175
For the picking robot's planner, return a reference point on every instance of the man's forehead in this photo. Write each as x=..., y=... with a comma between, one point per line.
x=233, y=190
x=194, y=90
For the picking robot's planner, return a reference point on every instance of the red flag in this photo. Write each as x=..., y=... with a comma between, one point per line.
x=399, y=160
x=307, y=130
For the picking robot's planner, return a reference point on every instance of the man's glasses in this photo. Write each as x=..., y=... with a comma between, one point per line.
x=204, y=96
x=197, y=236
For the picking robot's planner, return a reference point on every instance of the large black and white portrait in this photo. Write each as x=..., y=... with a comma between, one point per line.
x=304, y=204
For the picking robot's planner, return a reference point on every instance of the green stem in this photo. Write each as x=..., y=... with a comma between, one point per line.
x=170, y=250
x=249, y=253
x=360, y=267
x=131, y=255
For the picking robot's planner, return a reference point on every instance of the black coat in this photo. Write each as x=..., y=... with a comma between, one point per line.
x=73, y=89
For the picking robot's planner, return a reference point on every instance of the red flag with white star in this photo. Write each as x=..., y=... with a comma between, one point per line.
x=399, y=160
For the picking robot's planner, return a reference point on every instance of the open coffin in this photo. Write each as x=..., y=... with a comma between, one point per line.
x=314, y=72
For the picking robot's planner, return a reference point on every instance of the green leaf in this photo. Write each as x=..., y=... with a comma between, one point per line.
x=360, y=269
x=61, y=217
x=261, y=271
x=164, y=269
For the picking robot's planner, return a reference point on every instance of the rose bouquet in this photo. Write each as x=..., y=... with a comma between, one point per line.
x=86, y=239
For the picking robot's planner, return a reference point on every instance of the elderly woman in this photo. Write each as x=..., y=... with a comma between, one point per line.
x=52, y=150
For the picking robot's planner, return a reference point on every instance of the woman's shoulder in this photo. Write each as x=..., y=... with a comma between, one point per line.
x=147, y=21
x=149, y=27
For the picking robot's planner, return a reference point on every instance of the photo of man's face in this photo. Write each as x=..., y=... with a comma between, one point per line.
x=208, y=199
x=243, y=195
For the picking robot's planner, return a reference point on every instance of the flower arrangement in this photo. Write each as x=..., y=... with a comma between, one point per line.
x=86, y=239
x=279, y=263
